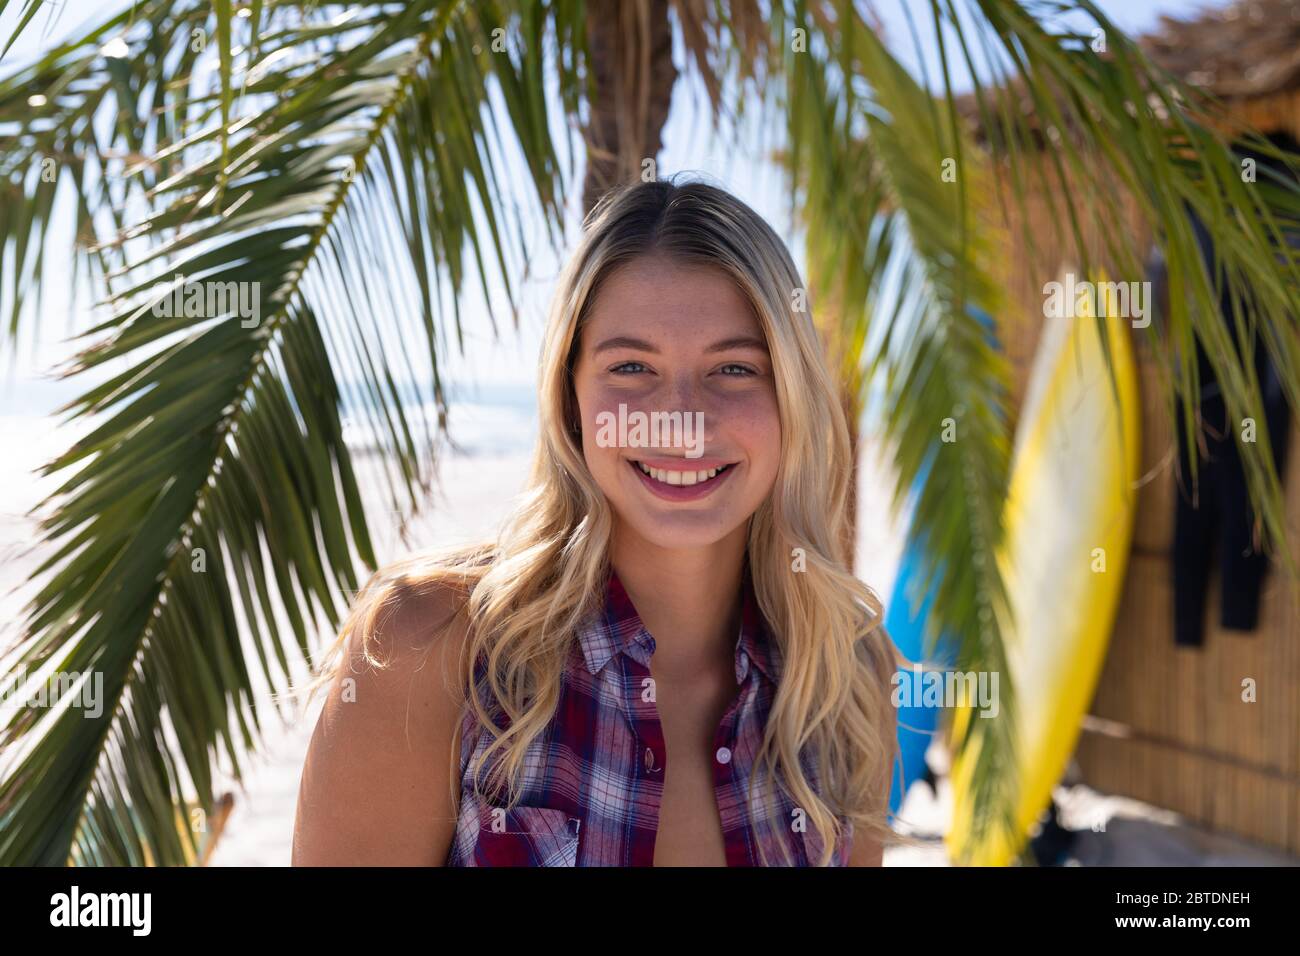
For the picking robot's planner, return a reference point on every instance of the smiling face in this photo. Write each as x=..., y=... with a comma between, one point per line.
x=663, y=338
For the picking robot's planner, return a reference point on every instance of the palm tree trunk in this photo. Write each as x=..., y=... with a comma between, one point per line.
x=631, y=76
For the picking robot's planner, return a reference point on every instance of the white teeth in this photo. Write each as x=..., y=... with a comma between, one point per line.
x=678, y=477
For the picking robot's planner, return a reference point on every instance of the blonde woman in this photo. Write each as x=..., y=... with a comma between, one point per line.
x=662, y=659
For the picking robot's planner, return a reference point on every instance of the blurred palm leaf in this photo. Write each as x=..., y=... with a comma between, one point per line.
x=1122, y=127
x=25, y=15
x=901, y=253
x=905, y=254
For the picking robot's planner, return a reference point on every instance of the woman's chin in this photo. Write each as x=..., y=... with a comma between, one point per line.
x=676, y=530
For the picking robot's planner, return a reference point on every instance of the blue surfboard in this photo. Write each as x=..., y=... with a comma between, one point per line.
x=905, y=623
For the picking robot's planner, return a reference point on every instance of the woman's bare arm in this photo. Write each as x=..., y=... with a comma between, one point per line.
x=375, y=787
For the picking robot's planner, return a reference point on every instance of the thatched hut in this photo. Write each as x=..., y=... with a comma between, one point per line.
x=1168, y=725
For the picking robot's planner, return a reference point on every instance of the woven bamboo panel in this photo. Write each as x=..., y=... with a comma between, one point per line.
x=1223, y=796
x=1193, y=696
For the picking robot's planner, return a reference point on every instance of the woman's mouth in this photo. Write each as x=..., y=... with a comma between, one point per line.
x=679, y=481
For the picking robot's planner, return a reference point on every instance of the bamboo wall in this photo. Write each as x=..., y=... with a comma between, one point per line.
x=1167, y=725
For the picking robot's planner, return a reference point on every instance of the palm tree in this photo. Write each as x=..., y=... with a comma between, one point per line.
x=348, y=159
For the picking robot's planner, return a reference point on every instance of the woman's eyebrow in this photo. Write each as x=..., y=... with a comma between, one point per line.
x=627, y=342
x=738, y=342
x=624, y=342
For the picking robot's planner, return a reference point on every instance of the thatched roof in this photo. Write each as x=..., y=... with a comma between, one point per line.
x=1246, y=52
x=1248, y=48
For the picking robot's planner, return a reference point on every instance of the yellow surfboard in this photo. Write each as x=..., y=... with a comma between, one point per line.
x=1069, y=523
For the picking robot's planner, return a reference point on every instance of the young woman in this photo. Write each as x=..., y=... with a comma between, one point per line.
x=663, y=658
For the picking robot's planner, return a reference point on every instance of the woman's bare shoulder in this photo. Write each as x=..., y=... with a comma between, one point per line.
x=376, y=787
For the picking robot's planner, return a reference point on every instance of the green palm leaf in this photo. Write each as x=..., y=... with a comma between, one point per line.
x=886, y=229
x=29, y=10
x=1121, y=128
x=875, y=201
x=214, y=499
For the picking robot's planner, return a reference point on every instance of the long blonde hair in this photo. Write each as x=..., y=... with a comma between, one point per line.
x=531, y=588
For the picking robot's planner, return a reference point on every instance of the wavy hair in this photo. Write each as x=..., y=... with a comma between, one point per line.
x=530, y=589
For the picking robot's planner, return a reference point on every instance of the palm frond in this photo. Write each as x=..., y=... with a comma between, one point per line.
x=906, y=255
x=1119, y=127
x=213, y=508
x=29, y=11
x=1100, y=125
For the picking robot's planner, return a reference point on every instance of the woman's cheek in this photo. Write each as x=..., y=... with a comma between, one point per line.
x=753, y=423
x=600, y=427
x=600, y=439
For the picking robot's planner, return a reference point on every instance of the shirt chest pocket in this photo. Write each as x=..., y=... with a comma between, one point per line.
x=525, y=836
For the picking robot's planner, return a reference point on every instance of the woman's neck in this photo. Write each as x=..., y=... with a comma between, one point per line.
x=688, y=599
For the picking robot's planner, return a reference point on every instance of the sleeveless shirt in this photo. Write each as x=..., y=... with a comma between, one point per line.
x=592, y=781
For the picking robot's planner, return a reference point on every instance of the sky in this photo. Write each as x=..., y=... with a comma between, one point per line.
x=510, y=359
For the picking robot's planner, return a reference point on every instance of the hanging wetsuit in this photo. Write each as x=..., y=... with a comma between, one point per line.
x=1216, y=519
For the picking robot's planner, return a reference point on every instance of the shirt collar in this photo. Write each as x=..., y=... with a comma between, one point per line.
x=617, y=628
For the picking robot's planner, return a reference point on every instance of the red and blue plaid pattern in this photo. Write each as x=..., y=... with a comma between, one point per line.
x=593, y=781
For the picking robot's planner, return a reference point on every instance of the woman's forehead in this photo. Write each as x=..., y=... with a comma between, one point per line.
x=672, y=303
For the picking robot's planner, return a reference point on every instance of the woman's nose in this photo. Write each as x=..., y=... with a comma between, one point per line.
x=681, y=394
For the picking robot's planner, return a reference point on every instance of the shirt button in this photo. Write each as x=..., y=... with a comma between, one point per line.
x=724, y=755
x=649, y=759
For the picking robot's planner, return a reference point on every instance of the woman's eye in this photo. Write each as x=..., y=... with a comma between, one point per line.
x=730, y=370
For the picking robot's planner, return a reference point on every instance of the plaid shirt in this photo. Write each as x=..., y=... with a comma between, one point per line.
x=593, y=780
